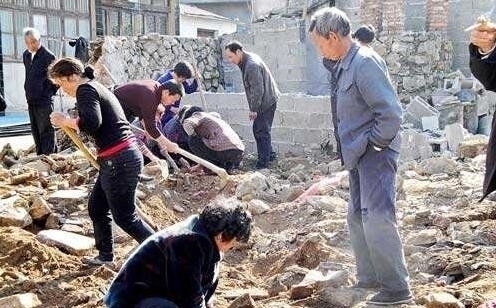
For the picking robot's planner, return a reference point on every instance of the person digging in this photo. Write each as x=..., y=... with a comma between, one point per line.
x=120, y=161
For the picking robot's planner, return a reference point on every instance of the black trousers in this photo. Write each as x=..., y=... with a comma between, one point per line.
x=262, y=126
x=227, y=159
x=114, y=194
x=41, y=128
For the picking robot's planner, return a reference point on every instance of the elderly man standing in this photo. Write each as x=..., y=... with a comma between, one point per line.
x=39, y=91
x=367, y=117
x=262, y=94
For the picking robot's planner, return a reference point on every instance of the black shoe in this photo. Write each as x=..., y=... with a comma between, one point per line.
x=386, y=298
x=366, y=285
x=96, y=261
x=261, y=166
x=273, y=156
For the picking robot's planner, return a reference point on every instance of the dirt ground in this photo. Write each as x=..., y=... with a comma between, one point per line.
x=303, y=234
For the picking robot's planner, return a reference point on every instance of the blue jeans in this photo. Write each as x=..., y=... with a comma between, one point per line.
x=372, y=221
x=262, y=126
x=115, y=193
x=156, y=302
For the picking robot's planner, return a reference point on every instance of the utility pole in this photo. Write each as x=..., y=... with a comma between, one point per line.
x=93, y=22
x=171, y=17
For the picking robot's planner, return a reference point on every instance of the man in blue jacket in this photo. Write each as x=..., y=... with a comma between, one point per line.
x=39, y=91
x=181, y=73
x=179, y=266
x=367, y=115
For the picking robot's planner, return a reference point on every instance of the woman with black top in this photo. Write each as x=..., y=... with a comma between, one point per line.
x=101, y=116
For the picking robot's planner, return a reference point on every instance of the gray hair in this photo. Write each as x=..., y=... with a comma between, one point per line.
x=32, y=32
x=330, y=19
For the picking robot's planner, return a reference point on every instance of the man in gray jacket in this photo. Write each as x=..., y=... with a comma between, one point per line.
x=367, y=116
x=262, y=95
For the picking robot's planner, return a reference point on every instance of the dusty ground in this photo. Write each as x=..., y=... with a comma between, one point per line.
x=459, y=260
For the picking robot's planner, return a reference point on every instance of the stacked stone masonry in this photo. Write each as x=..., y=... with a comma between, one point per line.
x=134, y=58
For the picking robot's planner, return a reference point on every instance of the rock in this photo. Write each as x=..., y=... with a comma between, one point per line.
x=251, y=184
x=426, y=237
x=454, y=134
x=275, y=286
x=77, y=179
x=258, y=207
x=14, y=216
x=73, y=243
x=26, y=300
x=68, y=197
x=53, y=221
x=473, y=146
x=244, y=301
x=301, y=291
x=72, y=229
x=340, y=297
x=442, y=300
x=438, y=165
x=24, y=177
x=40, y=209
x=293, y=275
x=39, y=165
x=254, y=293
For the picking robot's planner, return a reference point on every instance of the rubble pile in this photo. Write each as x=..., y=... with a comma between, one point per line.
x=299, y=253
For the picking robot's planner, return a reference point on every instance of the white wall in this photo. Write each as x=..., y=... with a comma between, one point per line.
x=263, y=7
x=13, y=79
x=189, y=25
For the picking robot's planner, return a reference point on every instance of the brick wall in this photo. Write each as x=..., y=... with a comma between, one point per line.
x=437, y=15
x=371, y=13
x=393, y=16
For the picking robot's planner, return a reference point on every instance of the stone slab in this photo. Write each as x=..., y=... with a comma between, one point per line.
x=73, y=243
x=26, y=300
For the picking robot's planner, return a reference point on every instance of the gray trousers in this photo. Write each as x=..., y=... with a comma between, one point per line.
x=372, y=221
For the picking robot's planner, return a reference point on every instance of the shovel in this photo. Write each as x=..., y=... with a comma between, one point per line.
x=91, y=158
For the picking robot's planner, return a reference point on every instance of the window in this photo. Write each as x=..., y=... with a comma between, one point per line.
x=70, y=5
x=137, y=24
x=70, y=31
x=21, y=2
x=114, y=23
x=83, y=6
x=53, y=4
x=40, y=23
x=21, y=21
x=205, y=33
x=158, y=2
x=84, y=28
x=39, y=3
x=54, y=35
x=6, y=22
x=101, y=22
x=160, y=24
x=5, y=1
x=150, y=24
x=127, y=26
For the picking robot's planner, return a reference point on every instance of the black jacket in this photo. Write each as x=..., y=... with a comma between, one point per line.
x=39, y=89
x=179, y=263
x=485, y=71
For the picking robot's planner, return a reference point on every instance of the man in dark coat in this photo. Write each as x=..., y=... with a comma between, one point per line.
x=39, y=91
x=262, y=94
x=179, y=266
x=483, y=66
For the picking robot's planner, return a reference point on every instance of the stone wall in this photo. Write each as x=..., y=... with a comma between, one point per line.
x=132, y=58
x=301, y=123
x=417, y=61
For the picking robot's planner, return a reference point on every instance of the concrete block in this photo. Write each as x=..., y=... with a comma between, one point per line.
x=312, y=104
x=417, y=109
x=285, y=103
x=294, y=119
x=280, y=134
x=454, y=135
x=244, y=131
x=237, y=116
x=307, y=136
x=430, y=123
x=319, y=120
x=470, y=117
x=285, y=147
x=450, y=114
x=278, y=119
